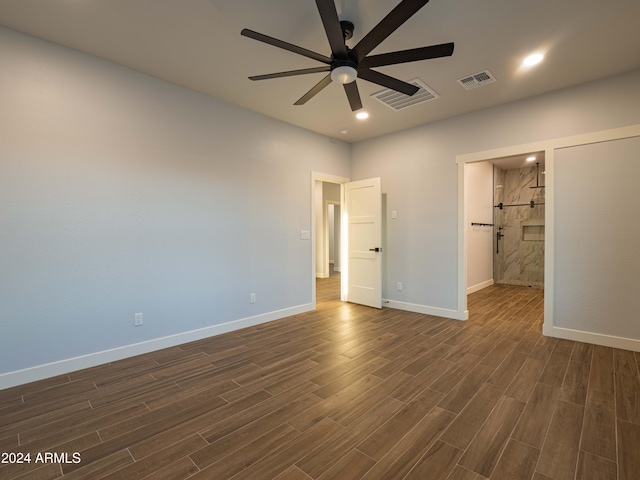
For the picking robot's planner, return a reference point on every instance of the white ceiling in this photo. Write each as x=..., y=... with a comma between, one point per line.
x=197, y=44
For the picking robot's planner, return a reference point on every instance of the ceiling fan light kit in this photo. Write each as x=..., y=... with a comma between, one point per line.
x=346, y=64
x=344, y=74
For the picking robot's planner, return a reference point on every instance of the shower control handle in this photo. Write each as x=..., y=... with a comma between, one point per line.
x=499, y=235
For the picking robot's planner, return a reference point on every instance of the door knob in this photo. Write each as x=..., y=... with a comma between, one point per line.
x=377, y=249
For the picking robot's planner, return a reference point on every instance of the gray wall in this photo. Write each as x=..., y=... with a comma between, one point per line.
x=419, y=174
x=120, y=193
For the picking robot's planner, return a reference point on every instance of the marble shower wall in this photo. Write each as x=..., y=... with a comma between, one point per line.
x=520, y=260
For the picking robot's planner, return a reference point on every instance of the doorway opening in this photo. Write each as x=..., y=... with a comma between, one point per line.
x=505, y=222
x=360, y=245
x=327, y=192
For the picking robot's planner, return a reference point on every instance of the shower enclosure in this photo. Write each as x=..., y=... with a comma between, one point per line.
x=519, y=226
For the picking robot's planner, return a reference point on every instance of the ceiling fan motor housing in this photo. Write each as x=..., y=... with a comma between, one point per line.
x=347, y=29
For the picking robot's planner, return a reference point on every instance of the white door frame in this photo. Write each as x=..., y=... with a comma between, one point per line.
x=329, y=178
x=549, y=147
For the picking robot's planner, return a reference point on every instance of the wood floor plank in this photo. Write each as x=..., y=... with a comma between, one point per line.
x=290, y=453
x=463, y=429
x=486, y=448
x=401, y=458
x=462, y=393
x=554, y=372
x=159, y=460
x=384, y=438
x=625, y=362
x=224, y=443
x=628, y=397
x=416, y=385
x=351, y=467
x=599, y=428
x=508, y=369
x=427, y=359
x=180, y=470
x=293, y=473
x=334, y=403
x=365, y=402
x=592, y=467
x=342, y=382
x=249, y=454
x=461, y=473
x=628, y=450
x=602, y=373
x=233, y=417
x=455, y=375
x=560, y=451
x=518, y=461
x=576, y=380
x=525, y=382
x=100, y=467
x=534, y=422
x=436, y=464
x=318, y=461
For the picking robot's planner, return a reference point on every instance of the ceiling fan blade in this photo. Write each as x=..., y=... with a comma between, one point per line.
x=405, y=56
x=291, y=73
x=353, y=95
x=314, y=91
x=329, y=16
x=389, y=24
x=284, y=45
x=387, y=81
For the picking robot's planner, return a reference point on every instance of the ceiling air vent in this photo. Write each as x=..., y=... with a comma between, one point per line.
x=477, y=80
x=399, y=101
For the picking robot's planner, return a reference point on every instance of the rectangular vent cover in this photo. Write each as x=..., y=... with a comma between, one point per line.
x=398, y=101
x=476, y=80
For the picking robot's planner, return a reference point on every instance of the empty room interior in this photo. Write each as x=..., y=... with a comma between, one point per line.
x=298, y=240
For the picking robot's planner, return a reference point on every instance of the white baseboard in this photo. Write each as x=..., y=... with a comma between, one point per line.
x=32, y=374
x=438, y=312
x=322, y=275
x=479, y=286
x=594, y=338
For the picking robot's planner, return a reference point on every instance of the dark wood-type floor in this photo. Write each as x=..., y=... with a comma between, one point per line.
x=345, y=392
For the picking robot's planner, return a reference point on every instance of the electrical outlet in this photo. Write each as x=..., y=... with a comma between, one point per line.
x=137, y=320
x=399, y=286
x=252, y=298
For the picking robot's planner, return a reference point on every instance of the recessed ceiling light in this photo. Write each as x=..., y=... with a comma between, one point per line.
x=532, y=60
x=344, y=131
x=362, y=115
x=531, y=159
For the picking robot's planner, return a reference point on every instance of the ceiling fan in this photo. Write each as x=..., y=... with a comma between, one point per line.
x=345, y=64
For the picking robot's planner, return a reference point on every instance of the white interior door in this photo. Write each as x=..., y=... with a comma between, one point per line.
x=363, y=208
